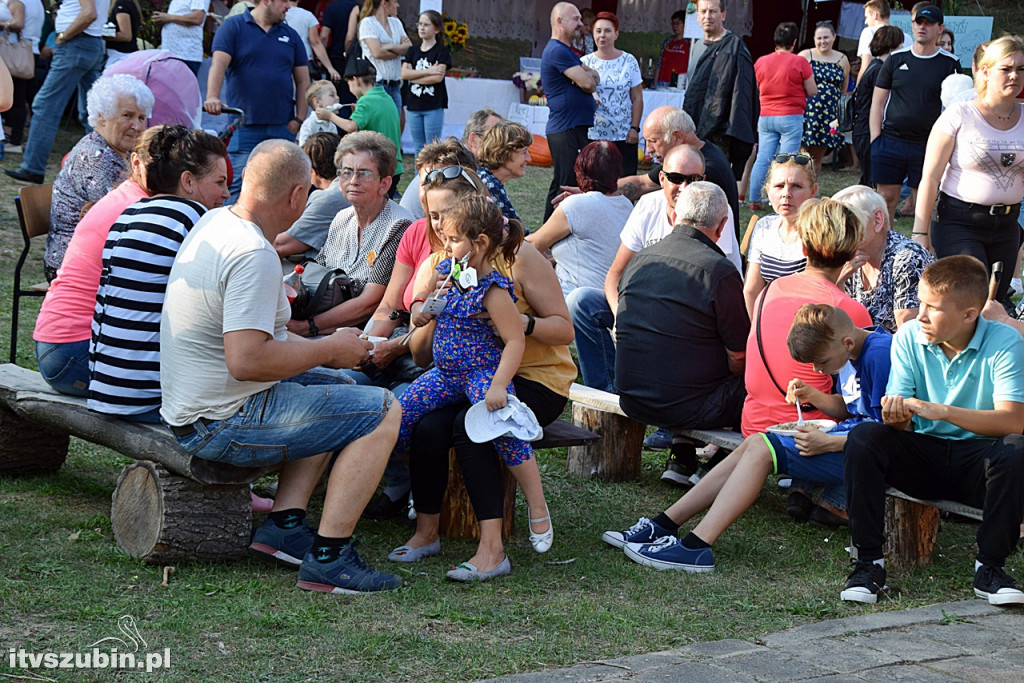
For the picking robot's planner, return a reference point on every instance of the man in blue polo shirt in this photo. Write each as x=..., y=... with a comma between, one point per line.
x=953, y=419
x=265, y=64
x=569, y=86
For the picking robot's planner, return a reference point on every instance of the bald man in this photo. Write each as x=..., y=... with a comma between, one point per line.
x=239, y=389
x=569, y=86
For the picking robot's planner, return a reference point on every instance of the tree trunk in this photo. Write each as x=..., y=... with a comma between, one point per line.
x=27, y=448
x=616, y=457
x=161, y=517
x=458, y=520
x=911, y=529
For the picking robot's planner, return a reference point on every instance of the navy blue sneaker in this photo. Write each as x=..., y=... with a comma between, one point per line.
x=347, y=574
x=644, y=531
x=670, y=553
x=659, y=440
x=287, y=547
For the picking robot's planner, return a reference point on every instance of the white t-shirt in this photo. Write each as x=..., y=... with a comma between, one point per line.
x=387, y=69
x=314, y=125
x=302, y=20
x=184, y=41
x=70, y=9
x=648, y=224
x=987, y=164
x=864, y=44
x=583, y=257
x=614, y=109
x=767, y=249
x=226, y=277
x=34, y=17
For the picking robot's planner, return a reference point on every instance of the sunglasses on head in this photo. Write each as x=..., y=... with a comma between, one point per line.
x=683, y=178
x=449, y=173
x=802, y=159
x=827, y=22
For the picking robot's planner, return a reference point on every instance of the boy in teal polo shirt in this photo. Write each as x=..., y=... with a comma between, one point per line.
x=953, y=418
x=375, y=110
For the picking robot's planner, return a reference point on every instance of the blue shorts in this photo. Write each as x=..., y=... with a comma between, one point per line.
x=319, y=411
x=826, y=468
x=893, y=160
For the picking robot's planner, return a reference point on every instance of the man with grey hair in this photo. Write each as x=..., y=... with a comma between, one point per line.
x=682, y=297
x=884, y=273
x=239, y=389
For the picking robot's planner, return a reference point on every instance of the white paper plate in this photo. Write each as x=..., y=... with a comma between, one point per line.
x=789, y=428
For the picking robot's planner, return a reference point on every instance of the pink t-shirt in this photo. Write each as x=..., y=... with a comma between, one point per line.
x=412, y=251
x=987, y=164
x=780, y=81
x=66, y=315
x=765, y=405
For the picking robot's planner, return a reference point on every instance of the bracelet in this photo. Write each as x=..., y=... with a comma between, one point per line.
x=418, y=300
x=530, y=325
x=314, y=331
x=919, y=233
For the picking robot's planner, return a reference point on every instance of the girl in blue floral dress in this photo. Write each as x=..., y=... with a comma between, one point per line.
x=469, y=361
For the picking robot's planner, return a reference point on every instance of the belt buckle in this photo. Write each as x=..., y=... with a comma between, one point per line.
x=999, y=210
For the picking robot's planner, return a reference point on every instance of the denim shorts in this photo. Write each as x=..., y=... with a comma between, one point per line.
x=826, y=468
x=300, y=417
x=893, y=160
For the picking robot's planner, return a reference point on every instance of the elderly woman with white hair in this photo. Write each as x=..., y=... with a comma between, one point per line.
x=884, y=272
x=118, y=107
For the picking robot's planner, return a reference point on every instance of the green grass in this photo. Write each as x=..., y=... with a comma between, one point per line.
x=63, y=582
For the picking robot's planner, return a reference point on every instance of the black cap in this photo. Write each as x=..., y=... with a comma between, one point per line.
x=930, y=12
x=358, y=67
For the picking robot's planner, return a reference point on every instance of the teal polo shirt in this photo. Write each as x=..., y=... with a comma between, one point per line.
x=989, y=370
x=376, y=111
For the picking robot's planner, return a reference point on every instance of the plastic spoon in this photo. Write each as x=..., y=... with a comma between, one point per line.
x=799, y=415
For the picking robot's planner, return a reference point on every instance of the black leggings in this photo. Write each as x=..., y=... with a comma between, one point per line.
x=15, y=118
x=480, y=464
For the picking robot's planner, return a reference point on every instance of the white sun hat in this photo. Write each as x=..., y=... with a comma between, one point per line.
x=515, y=419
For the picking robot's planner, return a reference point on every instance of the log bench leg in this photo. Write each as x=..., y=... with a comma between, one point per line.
x=161, y=517
x=457, y=517
x=911, y=529
x=616, y=456
x=27, y=448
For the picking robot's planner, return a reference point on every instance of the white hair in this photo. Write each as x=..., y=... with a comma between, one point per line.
x=103, y=96
x=864, y=201
x=702, y=205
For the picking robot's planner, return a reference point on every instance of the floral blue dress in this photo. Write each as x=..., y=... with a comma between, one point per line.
x=466, y=355
x=823, y=108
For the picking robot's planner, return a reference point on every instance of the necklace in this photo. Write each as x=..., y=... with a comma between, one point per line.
x=1000, y=117
x=252, y=217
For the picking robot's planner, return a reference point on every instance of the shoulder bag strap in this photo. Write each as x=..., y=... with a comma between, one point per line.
x=760, y=344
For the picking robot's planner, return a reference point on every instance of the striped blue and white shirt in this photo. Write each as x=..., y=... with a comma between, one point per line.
x=124, y=354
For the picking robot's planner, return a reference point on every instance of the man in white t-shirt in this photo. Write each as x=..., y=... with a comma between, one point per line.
x=876, y=14
x=239, y=389
x=182, y=31
x=653, y=217
x=307, y=26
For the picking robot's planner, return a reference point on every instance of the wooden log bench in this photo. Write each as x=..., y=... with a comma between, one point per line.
x=167, y=507
x=457, y=517
x=616, y=457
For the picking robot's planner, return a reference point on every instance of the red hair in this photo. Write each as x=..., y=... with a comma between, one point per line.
x=608, y=16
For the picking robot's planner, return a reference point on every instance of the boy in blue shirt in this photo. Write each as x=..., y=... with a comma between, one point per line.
x=825, y=337
x=953, y=416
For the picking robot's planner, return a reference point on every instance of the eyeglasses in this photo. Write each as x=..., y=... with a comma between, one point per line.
x=449, y=173
x=361, y=173
x=802, y=159
x=682, y=178
x=827, y=22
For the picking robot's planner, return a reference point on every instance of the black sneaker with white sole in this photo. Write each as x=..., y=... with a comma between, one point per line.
x=865, y=582
x=993, y=584
x=682, y=464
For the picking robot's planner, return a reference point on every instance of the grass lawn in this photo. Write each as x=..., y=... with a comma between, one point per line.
x=63, y=582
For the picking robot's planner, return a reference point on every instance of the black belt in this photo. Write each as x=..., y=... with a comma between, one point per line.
x=994, y=210
x=185, y=431
x=390, y=84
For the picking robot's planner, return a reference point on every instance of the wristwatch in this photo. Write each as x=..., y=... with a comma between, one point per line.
x=60, y=37
x=636, y=128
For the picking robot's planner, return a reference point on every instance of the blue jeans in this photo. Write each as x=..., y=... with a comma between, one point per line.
x=318, y=411
x=242, y=144
x=593, y=321
x=424, y=126
x=774, y=134
x=65, y=367
x=76, y=64
x=396, y=94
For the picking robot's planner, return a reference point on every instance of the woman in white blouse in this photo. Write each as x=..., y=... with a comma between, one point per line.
x=974, y=161
x=384, y=42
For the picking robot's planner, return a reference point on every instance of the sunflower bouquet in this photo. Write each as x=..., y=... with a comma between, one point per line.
x=455, y=33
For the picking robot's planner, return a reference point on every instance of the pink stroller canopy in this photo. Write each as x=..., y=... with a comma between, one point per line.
x=175, y=89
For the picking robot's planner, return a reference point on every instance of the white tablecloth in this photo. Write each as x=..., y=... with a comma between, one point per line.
x=466, y=95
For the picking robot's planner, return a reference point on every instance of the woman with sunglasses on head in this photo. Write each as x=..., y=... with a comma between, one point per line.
x=974, y=162
x=504, y=154
x=831, y=71
x=775, y=248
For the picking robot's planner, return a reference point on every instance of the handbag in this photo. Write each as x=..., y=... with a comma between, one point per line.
x=322, y=289
x=17, y=55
